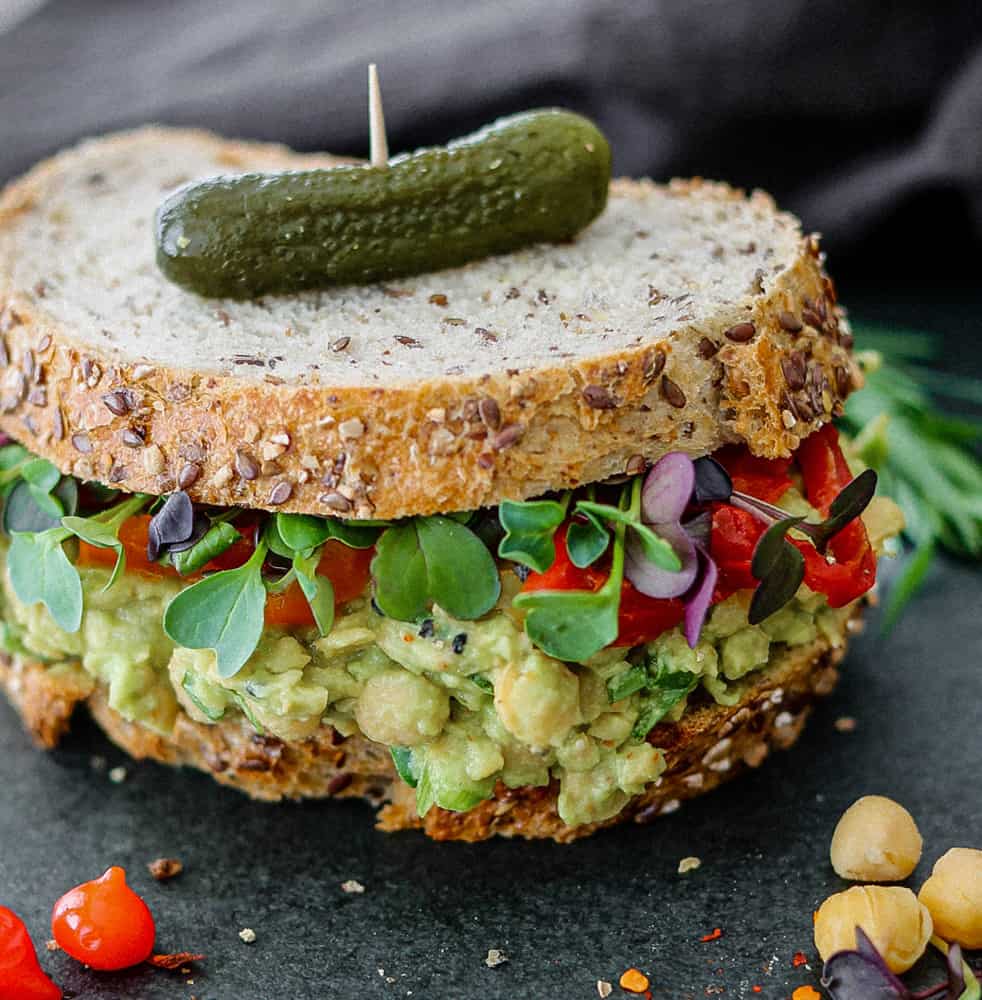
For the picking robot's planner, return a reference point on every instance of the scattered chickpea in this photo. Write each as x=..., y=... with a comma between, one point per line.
x=876, y=840
x=953, y=895
x=891, y=916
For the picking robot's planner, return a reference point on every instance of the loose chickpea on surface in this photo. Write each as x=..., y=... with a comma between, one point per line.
x=953, y=895
x=876, y=840
x=891, y=916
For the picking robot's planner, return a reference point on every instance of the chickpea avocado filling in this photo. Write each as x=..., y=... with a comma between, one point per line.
x=539, y=641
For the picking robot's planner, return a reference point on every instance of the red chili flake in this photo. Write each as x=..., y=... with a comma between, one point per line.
x=800, y=959
x=174, y=960
x=758, y=989
x=714, y=935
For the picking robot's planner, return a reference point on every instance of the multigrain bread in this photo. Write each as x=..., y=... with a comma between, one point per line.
x=686, y=317
x=710, y=744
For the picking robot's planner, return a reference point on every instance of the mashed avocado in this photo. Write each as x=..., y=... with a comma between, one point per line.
x=472, y=702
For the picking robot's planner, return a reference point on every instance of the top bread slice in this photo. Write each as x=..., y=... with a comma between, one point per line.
x=686, y=317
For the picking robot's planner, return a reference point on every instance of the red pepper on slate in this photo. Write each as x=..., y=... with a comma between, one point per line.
x=104, y=923
x=21, y=977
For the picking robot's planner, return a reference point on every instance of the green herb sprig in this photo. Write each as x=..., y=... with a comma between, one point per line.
x=927, y=459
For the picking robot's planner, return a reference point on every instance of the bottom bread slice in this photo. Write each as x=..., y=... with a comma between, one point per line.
x=710, y=744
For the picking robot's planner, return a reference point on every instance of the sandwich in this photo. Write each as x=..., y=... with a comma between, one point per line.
x=529, y=544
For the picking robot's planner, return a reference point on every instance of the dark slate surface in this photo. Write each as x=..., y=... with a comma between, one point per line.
x=565, y=916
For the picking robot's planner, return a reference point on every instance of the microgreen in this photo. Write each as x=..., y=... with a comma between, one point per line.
x=173, y=524
x=318, y=589
x=223, y=612
x=625, y=684
x=586, y=540
x=863, y=974
x=656, y=549
x=529, y=530
x=575, y=624
x=22, y=511
x=779, y=567
x=219, y=538
x=304, y=531
x=40, y=572
x=430, y=560
x=102, y=530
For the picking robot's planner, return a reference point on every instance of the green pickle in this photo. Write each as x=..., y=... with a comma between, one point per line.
x=540, y=176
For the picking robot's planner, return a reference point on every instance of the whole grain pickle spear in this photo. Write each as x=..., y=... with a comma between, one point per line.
x=539, y=176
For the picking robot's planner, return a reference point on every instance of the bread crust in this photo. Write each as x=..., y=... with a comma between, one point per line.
x=711, y=744
x=443, y=444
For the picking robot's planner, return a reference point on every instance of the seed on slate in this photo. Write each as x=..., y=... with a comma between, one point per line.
x=789, y=322
x=245, y=466
x=597, y=397
x=188, y=475
x=793, y=367
x=673, y=395
x=742, y=333
x=340, y=344
x=280, y=493
x=133, y=438
x=707, y=348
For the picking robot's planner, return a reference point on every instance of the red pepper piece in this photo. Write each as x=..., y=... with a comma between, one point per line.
x=641, y=618
x=853, y=571
x=104, y=923
x=21, y=977
x=764, y=478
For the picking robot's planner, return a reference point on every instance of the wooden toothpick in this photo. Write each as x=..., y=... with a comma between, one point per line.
x=376, y=121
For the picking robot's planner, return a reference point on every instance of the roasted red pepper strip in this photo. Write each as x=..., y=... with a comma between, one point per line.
x=764, y=478
x=825, y=473
x=641, y=619
x=21, y=977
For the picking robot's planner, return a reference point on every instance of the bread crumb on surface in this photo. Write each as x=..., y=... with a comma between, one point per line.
x=352, y=885
x=247, y=934
x=51, y=944
x=495, y=957
x=163, y=869
x=604, y=989
x=117, y=775
x=846, y=724
x=689, y=865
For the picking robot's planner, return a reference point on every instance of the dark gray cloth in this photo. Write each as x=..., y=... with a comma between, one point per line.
x=864, y=117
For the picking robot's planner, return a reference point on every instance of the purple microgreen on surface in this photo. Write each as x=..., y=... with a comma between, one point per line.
x=172, y=524
x=700, y=598
x=862, y=974
x=779, y=567
x=712, y=482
